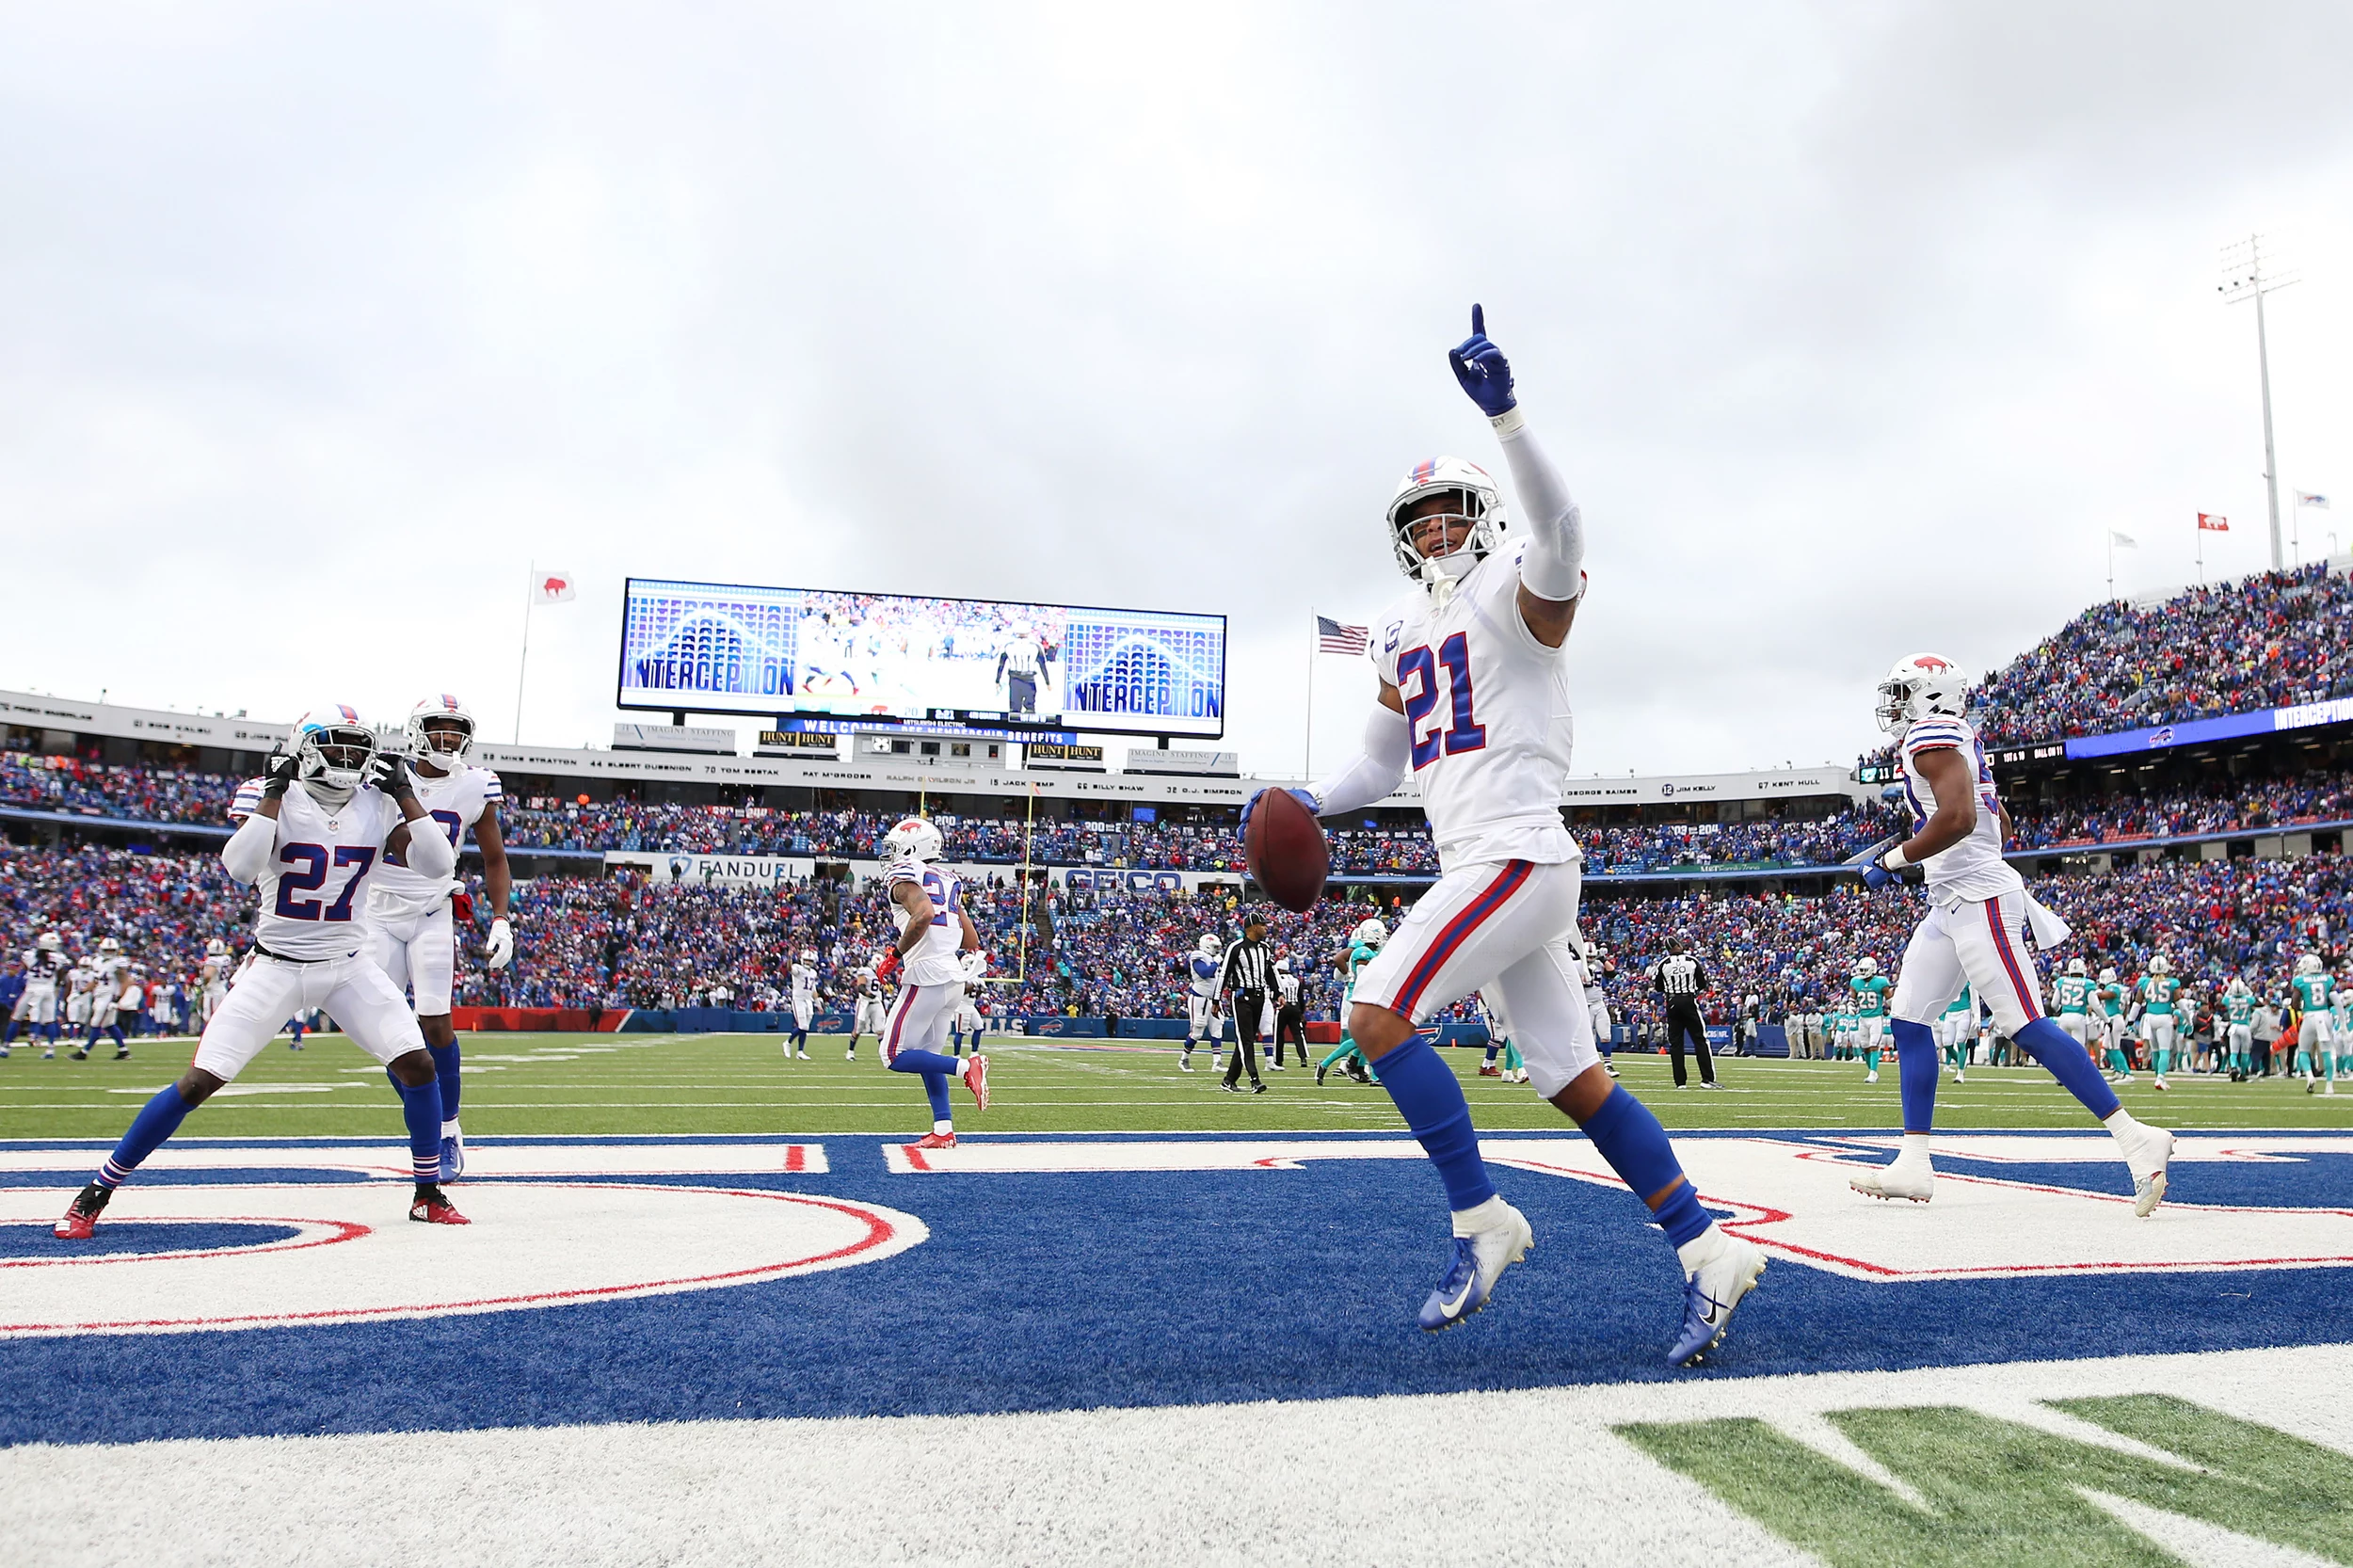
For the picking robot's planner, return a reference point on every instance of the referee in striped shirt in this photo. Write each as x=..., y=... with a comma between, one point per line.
x=1679, y=978
x=1248, y=971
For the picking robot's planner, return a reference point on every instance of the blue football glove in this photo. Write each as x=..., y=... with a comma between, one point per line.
x=1481, y=368
x=1876, y=876
x=1300, y=795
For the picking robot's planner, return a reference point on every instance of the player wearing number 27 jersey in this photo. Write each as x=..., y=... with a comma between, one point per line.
x=1475, y=703
x=1974, y=933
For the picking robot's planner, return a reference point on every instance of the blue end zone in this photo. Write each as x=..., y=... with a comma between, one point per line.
x=1062, y=1291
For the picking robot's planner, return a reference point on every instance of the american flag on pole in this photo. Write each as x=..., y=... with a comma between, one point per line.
x=1332, y=637
x=2212, y=524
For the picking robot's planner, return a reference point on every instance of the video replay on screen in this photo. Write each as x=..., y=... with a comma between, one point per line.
x=884, y=659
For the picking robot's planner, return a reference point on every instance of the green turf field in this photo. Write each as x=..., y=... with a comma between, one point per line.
x=664, y=1083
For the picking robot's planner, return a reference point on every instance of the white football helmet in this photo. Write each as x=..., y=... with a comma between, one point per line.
x=2160, y=964
x=1480, y=505
x=864, y=972
x=1206, y=946
x=332, y=746
x=2075, y=965
x=1866, y=967
x=1919, y=685
x=2107, y=977
x=1283, y=964
x=109, y=947
x=1370, y=932
x=809, y=955
x=2308, y=963
x=974, y=965
x=49, y=941
x=434, y=724
x=216, y=948
x=915, y=839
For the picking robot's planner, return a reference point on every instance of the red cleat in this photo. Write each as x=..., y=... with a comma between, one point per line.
x=1491, y=1070
x=432, y=1208
x=976, y=1079
x=81, y=1217
x=936, y=1140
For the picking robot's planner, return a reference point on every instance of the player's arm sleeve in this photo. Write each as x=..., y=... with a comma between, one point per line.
x=246, y=856
x=1553, y=566
x=430, y=853
x=1372, y=773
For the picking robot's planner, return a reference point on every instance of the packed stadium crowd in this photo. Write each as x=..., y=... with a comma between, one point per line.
x=624, y=940
x=2270, y=641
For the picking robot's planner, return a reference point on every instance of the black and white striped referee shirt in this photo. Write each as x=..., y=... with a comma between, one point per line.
x=1679, y=978
x=1247, y=965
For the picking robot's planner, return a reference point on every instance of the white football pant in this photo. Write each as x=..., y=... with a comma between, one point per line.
x=1982, y=943
x=354, y=990
x=418, y=954
x=920, y=1018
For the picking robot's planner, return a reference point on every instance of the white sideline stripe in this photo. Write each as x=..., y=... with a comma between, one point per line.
x=1213, y=1483
x=495, y=1159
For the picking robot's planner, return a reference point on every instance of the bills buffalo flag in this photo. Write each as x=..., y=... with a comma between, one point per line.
x=2318, y=503
x=553, y=587
x=1332, y=637
x=2208, y=523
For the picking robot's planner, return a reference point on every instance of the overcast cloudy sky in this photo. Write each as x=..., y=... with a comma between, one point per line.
x=1854, y=327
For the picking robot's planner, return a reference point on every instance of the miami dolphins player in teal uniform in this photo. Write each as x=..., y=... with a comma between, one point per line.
x=2315, y=1056
x=2238, y=1006
x=1960, y=1024
x=2072, y=994
x=1362, y=944
x=2113, y=1000
x=1870, y=989
x=2156, y=991
x=2341, y=1026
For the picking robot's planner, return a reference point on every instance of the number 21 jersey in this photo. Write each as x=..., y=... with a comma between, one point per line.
x=1488, y=707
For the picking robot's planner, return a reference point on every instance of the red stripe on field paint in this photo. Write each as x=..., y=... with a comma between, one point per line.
x=1457, y=931
x=2001, y=944
x=795, y=1157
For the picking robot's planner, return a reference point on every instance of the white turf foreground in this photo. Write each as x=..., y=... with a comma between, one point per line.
x=1533, y=1477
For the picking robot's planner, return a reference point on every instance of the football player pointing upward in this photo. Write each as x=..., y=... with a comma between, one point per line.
x=1974, y=933
x=411, y=918
x=1474, y=699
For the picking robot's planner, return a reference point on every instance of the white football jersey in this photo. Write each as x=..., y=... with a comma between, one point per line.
x=45, y=966
x=804, y=980
x=318, y=870
x=934, y=960
x=1202, y=973
x=455, y=802
x=1974, y=868
x=1488, y=706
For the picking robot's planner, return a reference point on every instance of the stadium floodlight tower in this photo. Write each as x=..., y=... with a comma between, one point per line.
x=2244, y=278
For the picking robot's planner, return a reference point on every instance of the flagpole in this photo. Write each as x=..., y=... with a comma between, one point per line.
x=1307, y=749
x=531, y=591
x=2111, y=536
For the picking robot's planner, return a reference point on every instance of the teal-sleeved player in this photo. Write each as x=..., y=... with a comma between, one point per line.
x=2238, y=1005
x=2112, y=1000
x=1364, y=944
x=2315, y=1053
x=2340, y=1024
x=2071, y=993
x=1870, y=989
x=2156, y=990
x=1956, y=1030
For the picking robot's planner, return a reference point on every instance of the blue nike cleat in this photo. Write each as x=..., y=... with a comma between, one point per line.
x=452, y=1156
x=1480, y=1259
x=1709, y=1296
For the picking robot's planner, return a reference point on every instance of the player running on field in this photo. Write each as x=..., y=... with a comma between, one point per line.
x=2315, y=1057
x=413, y=917
x=1592, y=962
x=1975, y=931
x=1474, y=699
x=45, y=966
x=331, y=809
x=2072, y=994
x=2238, y=1005
x=2114, y=999
x=933, y=930
x=968, y=1023
x=1364, y=945
x=1870, y=1012
x=1201, y=1020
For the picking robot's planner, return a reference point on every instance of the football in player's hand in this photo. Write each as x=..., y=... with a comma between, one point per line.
x=1284, y=845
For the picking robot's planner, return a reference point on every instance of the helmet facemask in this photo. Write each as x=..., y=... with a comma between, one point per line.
x=334, y=757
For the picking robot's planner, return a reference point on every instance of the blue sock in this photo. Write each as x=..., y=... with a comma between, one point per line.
x=1916, y=1058
x=420, y=1108
x=445, y=1073
x=936, y=1070
x=9, y=1035
x=1630, y=1138
x=157, y=1120
x=116, y=1030
x=1430, y=1098
x=2059, y=1052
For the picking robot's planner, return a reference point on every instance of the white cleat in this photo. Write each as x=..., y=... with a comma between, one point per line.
x=1871, y=1076
x=2148, y=1150
x=2159, y=1082
x=1710, y=1292
x=1500, y=1238
x=1959, y=1076
x=1914, y=1180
